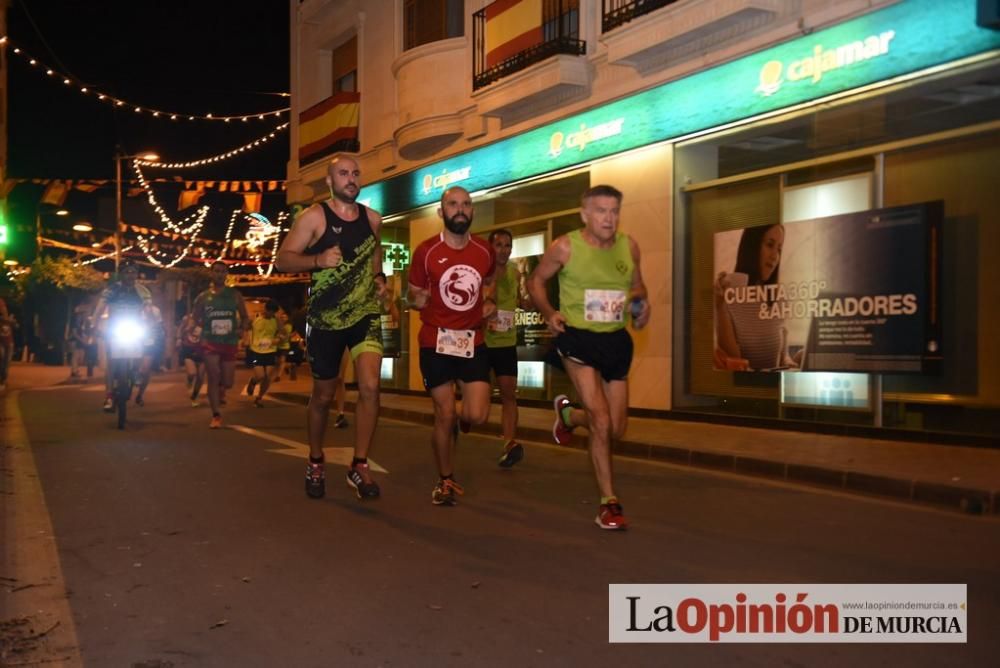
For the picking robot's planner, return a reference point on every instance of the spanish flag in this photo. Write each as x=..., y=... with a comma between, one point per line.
x=512, y=26
x=327, y=123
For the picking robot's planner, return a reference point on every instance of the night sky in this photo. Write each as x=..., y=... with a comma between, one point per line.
x=191, y=56
x=186, y=56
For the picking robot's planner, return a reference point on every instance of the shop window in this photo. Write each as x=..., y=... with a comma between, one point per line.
x=426, y=21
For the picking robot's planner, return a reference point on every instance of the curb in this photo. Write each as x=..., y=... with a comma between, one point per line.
x=954, y=498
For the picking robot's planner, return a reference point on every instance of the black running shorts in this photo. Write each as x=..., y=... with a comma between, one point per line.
x=608, y=352
x=503, y=361
x=325, y=347
x=439, y=369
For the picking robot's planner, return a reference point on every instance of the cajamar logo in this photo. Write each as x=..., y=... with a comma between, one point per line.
x=812, y=67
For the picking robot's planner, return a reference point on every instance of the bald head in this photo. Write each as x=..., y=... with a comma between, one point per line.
x=456, y=209
x=343, y=176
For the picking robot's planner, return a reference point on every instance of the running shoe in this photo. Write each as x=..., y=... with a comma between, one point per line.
x=139, y=401
x=194, y=403
x=359, y=477
x=109, y=404
x=315, y=480
x=341, y=422
x=464, y=426
x=512, y=454
x=445, y=491
x=258, y=402
x=562, y=433
x=216, y=422
x=610, y=516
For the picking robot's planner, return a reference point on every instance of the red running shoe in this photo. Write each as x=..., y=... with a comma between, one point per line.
x=610, y=517
x=561, y=432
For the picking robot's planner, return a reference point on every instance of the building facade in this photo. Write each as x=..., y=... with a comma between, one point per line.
x=878, y=120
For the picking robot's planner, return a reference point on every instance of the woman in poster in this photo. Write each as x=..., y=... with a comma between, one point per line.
x=744, y=340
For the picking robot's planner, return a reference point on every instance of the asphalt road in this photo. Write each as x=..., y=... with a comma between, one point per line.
x=183, y=546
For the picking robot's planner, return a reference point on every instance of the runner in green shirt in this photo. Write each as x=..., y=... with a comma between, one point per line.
x=599, y=282
x=501, y=341
x=222, y=316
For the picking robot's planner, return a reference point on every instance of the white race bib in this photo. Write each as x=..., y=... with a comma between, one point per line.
x=264, y=343
x=222, y=327
x=504, y=321
x=603, y=305
x=456, y=342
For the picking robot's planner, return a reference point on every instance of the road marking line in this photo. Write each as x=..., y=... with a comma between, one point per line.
x=295, y=449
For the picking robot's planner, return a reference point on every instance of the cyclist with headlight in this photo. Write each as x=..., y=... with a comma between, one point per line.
x=123, y=299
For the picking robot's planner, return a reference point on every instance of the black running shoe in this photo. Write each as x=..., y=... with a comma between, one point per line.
x=341, y=422
x=512, y=454
x=445, y=493
x=356, y=478
x=315, y=480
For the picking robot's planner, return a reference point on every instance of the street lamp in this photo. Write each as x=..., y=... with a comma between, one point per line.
x=119, y=156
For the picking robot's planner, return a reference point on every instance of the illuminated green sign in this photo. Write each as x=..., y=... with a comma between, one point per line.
x=398, y=255
x=3, y=234
x=903, y=38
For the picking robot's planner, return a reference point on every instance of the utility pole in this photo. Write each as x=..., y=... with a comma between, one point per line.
x=4, y=4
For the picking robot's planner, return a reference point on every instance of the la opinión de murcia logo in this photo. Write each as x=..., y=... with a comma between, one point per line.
x=759, y=613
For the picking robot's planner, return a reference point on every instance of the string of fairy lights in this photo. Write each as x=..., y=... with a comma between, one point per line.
x=189, y=228
x=115, y=101
x=215, y=158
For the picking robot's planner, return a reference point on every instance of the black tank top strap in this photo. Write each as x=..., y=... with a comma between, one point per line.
x=336, y=234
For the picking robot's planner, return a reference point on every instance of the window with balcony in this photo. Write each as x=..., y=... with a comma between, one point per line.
x=426, y=21
x=344, y=67
x=619, y=12
x=510, y=35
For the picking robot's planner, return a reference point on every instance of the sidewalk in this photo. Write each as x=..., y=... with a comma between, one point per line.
x=945, y=476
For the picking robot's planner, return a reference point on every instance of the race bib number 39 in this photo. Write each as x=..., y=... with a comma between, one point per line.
x=603, y=305
x=456, y=342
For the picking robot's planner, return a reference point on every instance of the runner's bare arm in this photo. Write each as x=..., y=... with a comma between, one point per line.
x=306, y=230
x=381, y=287
x=555, y=258
x=638, y=288
x=241, y=308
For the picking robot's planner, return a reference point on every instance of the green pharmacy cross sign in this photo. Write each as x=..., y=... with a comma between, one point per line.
x=397, y=254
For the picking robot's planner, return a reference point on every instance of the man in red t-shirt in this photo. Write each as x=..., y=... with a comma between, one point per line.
x=449, y=274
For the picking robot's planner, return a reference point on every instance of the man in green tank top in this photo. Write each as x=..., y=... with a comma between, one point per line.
x=501, y=341
x=222, y=316
x=599, y=284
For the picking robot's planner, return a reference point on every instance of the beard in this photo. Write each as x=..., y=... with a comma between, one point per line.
x=344, y=195
x=458, y=224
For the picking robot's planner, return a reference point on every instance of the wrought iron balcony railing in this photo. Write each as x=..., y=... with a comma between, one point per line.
x=619, y=12
x=498, y=50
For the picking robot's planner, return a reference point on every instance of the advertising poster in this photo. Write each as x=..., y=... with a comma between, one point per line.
x=533, y=336
x=856, y=292
x=392, y=340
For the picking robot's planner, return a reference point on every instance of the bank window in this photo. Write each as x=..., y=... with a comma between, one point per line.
x=426, y=21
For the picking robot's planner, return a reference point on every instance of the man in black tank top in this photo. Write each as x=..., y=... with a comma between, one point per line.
x=339, y=242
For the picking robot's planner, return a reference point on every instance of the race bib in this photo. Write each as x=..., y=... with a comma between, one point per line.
x=222, y=327
x=504, y=321
x=603, y=305
x=456, y=342
x=264, y=343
